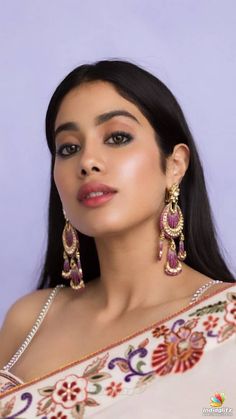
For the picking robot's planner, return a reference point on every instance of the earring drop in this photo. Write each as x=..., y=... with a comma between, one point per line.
x=72, y=268
x=171, y=226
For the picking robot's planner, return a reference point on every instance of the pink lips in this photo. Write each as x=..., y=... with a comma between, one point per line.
x=95, y=187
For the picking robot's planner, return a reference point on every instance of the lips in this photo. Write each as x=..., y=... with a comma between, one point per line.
x=94, y=187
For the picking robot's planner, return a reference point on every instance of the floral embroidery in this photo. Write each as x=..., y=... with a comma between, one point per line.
x=181, y=349
x=229, y=328
x=73, y=392
x=113, y=389
x=210, y=308
x=6, y=409
x=127, y=364
x=160, y=331
x=59, y=415
x=210, y=323
x=230, y=315
x=70, y=391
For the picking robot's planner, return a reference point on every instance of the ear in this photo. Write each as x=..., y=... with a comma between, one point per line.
x=177, y=164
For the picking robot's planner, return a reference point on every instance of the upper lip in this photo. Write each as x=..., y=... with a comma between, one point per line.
x=93, y=187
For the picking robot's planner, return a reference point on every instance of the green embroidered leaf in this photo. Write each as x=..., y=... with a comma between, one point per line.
x=129, y=350
x=97, y=390
x=139, y=365
x=144, y=380
x=226, y=331
x=231, y=296
x=211, y=308
x=45, y=391
x=78, y=411
x=91, y=402
x=43, y=405
x=100, y=377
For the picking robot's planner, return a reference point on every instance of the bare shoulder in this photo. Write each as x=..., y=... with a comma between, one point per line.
x=215, y=287
x=25, y=307
x=18, y=321
x=218, y=287
x=196, y=280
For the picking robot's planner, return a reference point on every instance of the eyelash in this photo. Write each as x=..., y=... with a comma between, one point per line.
x=114, y=134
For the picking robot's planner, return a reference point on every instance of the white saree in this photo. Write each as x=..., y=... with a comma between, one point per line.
x=181, y=367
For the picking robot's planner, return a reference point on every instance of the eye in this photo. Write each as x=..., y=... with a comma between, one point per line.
x=119, y=136
x=72, y=148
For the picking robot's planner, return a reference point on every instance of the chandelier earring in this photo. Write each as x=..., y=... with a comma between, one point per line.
x=72, y=267
x=171, y=228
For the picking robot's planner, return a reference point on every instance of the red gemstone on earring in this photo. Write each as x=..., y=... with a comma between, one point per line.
x=69, y=238
x=75, y=276
x=173, y=219
x=66, y=265
x=172, y=258
x=181, y=253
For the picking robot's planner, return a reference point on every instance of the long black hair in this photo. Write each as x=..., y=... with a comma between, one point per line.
x=163, y=112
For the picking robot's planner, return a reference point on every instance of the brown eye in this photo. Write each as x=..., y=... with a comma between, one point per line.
x=70, y=148
x=118, y=138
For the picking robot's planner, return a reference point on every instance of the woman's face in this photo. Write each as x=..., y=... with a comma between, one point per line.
x=129, y=163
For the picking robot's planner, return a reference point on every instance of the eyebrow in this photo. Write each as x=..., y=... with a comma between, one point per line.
x=100, y=119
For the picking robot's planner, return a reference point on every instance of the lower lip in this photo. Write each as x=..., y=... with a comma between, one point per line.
x=95, y=201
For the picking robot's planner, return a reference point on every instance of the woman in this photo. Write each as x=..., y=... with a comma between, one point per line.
x=141, y=301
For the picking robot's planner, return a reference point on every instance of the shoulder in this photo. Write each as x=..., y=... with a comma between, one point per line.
x=217, y=288
x=19, y=319
x=24, y=308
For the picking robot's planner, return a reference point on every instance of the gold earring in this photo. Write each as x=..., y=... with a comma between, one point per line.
x=71, y=269
x=171, y=226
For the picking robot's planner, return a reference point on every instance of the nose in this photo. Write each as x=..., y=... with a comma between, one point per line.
x=86, y=171
x=90, y=161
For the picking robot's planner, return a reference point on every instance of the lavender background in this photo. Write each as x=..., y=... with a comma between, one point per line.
x=189, y=44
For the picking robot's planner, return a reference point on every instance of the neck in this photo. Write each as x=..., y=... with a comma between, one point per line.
x=131, y=274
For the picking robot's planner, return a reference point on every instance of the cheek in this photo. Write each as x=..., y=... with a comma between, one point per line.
x=62, y=180
x=142, y=179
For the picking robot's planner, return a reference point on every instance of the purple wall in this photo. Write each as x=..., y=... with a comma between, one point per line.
x=189, y=44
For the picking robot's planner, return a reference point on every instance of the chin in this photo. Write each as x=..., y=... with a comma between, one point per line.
x=99, y=232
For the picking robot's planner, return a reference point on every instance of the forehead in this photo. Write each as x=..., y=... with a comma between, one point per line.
x=85, y=102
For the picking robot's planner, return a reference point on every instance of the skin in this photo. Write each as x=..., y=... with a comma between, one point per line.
x=133, y=291
x=126, y=228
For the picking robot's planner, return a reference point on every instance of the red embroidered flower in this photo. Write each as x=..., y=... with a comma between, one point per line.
x=59, y=415
x=113, y=389
x=211, y=322
x=180, y=351
x=160, y=330
x=230, y=315
x=70, y=391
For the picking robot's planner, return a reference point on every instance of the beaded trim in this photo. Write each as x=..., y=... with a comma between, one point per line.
x=202, y=289
x=34, y=329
